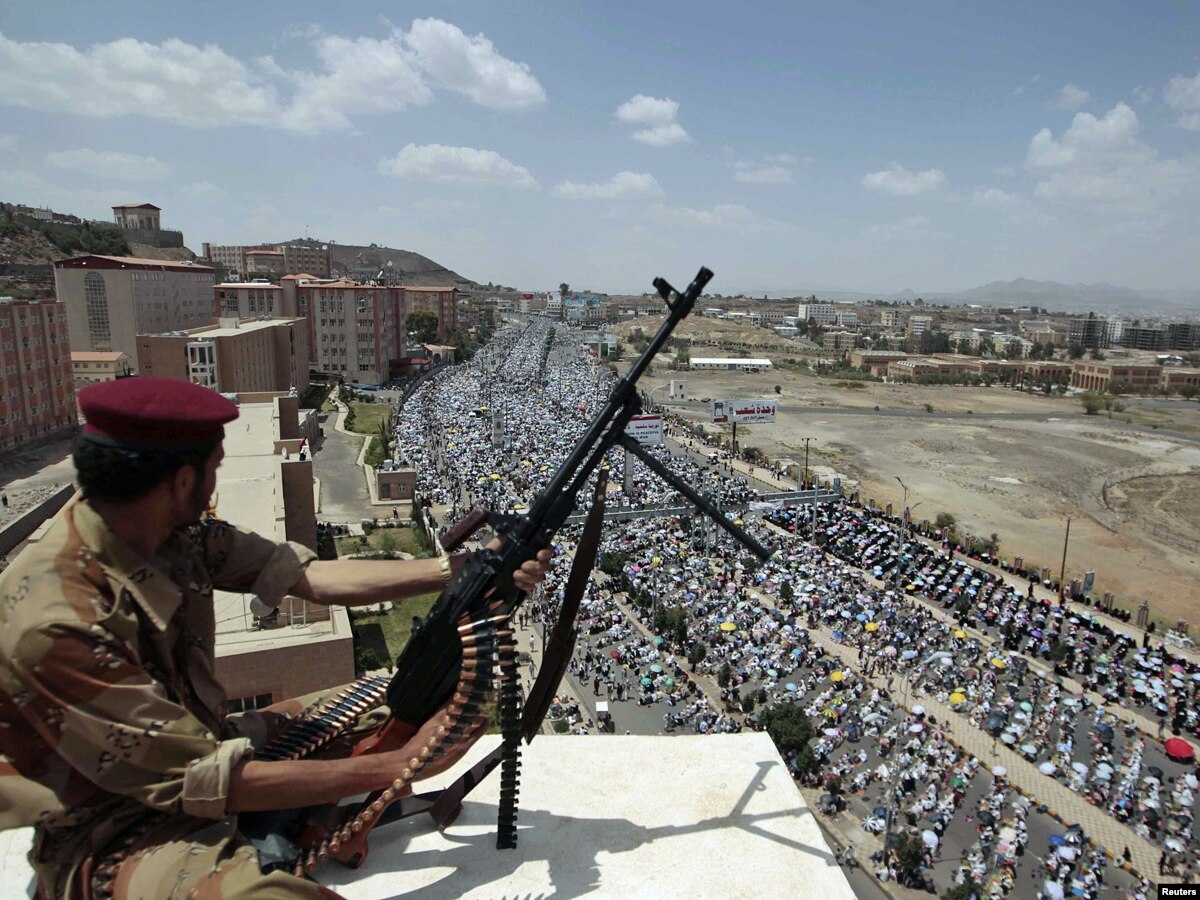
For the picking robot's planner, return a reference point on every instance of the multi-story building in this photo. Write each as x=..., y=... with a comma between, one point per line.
x=839, y=340
x=1144, y=337
x=443, y=301
x=847, y=319
x=249, y=300
x=110, y=300
x=93, y=367
x=306, y=259
x=1183, y=336
x=1089, y=332
x=891, y=318
x=1100, y=376
x=821, y=313
x=313, y=260
x=918, y=325
x=264, y=261
x=233, y=356
x=37, y=392
x=231, y=256
x=356, y=331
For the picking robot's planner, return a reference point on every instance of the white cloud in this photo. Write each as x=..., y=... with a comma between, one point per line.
x=899, y=181
x=1072, y=97
x=1101, y=162
x=621, y=185
x=109, y=164
x=1144, y=94
x=174, y=80
x=8, y=143
x=725, y=215
x=1182, y=94
x=658, y=115
x=456, y=165
x=995, y=199
x=472, y=66
x=908, y=228
x=204, y=87
x=773, y=169
x=441, y=205
x=1021, y=89
x=204, y=190
x=360, y=76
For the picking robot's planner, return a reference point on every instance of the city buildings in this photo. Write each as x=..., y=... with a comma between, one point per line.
x=249, y=300
x=93, y=367
x=356, y=331
x=821, y=313
x=918, y=325
x=37, y=391
x=295, y=258
x=1088, y=332
x=112, y=299
x=442, y=301
x=234, y=356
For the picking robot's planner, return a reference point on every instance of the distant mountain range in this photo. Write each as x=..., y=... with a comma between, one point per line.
x=1051, y=295
x=414, y=268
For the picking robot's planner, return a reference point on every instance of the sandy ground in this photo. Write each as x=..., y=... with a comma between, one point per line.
x=1013, y=464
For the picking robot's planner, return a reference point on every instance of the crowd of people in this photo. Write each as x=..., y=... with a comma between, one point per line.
x=920, y=616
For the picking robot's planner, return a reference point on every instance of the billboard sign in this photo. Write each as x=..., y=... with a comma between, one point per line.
x=725, y=412
x=646, y=429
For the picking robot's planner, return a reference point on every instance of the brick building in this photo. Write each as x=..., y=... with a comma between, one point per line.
x=355, y=330
x=110, y=300
x=442, y=301
x=233, y=356
x=37, y=391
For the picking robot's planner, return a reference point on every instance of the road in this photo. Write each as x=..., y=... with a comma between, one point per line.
x=344, y=497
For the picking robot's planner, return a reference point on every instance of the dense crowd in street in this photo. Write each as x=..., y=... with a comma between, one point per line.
x=920, y=618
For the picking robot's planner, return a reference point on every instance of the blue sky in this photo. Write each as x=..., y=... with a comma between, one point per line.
x=787, y=146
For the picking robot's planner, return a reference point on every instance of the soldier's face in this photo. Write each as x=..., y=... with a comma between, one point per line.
x=205, y=485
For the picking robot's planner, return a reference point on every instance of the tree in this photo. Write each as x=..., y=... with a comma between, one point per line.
x=779, y=389
x=696, y=654
x=564, y=289
x=792, y=731
x=1075, y=351
x=946, y=520
x=422, y=324
x=1092, y=402
x=724, y=675
x=968, y=890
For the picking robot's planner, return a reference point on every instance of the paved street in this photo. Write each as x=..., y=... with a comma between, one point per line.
x=344, y=497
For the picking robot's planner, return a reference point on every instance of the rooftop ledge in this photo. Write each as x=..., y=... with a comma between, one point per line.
x=602, y=816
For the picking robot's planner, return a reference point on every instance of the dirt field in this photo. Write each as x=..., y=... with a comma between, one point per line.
x=1013, y=464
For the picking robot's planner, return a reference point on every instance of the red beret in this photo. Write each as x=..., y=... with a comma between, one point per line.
x=148, y=412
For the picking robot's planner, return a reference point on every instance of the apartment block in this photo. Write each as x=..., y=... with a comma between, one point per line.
x=1090, y=332
x=249, y=300
x=234, y=356
x=891, y=318
x=918, y=325
x=313, y=260
x=821, y=313
x=110, y=300
x=442, y=301
x=37, y=392
x=355, y=330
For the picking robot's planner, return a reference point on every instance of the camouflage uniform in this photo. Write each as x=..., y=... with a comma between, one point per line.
x=112, y=723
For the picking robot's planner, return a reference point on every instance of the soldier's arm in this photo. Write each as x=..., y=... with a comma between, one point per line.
x=256, y=786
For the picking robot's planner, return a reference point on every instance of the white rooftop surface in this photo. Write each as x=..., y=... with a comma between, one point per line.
x=721, y=360
x=241, y=328
x=246, y=497
x=606, y=816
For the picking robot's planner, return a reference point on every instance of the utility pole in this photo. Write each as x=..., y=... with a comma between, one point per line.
x=900, y=533
x=1062, y=575
x=806, y=442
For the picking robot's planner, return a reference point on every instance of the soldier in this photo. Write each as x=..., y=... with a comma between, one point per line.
x=112, y=723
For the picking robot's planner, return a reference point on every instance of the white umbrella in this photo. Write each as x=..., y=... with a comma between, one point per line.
x=916, y=727
x=930, y=839
x=999, y=771
x=1047, y=768
x=1173, y=843
x=1191, y=781
x=1067, y=852
x=1052, y=890
x=918, y=710
x=1080, y=767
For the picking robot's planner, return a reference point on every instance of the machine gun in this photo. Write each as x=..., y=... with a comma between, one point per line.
x=464, y=650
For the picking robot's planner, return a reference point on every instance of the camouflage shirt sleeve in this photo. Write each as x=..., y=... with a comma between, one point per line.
x=239, y=560
x=117, y=726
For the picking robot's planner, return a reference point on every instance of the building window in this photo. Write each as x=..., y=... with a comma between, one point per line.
x=244, y=704
x=96, y=301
